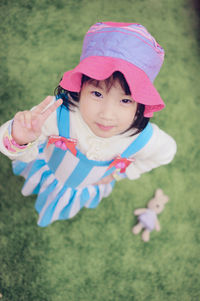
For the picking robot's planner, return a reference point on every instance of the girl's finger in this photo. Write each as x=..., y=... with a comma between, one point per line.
x=51, y=109
x=42, y=106
x=27, y=119
x=19, y=117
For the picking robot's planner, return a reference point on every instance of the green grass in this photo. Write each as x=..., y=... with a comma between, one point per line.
x=95, y=256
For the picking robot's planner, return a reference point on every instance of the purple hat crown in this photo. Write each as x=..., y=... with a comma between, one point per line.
x=127, y=41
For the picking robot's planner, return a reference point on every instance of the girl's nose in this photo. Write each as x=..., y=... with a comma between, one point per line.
x=107, y=111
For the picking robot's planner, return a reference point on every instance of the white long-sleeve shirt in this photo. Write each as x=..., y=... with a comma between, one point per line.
x=160, y=149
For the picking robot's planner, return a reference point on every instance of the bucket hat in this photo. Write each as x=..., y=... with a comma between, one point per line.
x=125, y=47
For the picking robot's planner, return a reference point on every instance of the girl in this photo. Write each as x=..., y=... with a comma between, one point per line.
x=71, y=148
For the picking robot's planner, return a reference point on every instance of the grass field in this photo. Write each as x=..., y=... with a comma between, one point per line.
x=95, y=256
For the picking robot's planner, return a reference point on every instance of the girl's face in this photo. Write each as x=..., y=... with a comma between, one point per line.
x=106, y=112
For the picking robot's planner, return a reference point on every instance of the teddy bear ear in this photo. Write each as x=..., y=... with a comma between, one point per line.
x=160, y=194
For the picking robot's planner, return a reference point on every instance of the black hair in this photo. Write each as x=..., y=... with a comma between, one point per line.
x=71, y=99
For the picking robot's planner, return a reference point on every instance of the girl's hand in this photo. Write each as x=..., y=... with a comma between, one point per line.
x=27, y=125
x=105, y=180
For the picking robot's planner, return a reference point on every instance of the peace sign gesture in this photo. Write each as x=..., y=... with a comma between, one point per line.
x=27, y=125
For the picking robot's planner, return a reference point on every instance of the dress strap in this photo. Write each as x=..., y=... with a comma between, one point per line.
x=63, y=120
x=139, y=142
x=133, y=148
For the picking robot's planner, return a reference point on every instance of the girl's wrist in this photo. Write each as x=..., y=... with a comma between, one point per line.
x=10, y=144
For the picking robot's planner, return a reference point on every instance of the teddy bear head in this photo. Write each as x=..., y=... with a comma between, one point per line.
x=157, y=204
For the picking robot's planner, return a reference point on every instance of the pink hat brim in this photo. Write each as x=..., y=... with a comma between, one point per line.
x=101, y=67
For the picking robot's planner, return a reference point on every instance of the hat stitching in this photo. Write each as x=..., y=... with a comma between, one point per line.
x=153, y=47
x=140, y=30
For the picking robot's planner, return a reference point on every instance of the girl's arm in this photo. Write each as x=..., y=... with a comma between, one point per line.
x=160, y=150
x=30, y=128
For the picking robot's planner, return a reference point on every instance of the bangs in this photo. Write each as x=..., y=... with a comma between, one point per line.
x=109, y=82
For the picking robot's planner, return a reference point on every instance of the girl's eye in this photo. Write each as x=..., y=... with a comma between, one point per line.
x=126, y=100
x=97, y=94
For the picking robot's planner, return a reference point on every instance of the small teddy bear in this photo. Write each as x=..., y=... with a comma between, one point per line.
x=148, y=216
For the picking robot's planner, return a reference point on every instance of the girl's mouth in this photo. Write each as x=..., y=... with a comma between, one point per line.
x=103, y=127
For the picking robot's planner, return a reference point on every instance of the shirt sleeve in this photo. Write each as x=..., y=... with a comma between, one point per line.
x=160, y=150
x=30, y=153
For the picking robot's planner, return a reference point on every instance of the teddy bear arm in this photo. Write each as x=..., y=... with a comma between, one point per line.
x=139, y=211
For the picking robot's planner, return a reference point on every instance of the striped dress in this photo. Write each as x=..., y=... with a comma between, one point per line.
x=64, y=182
